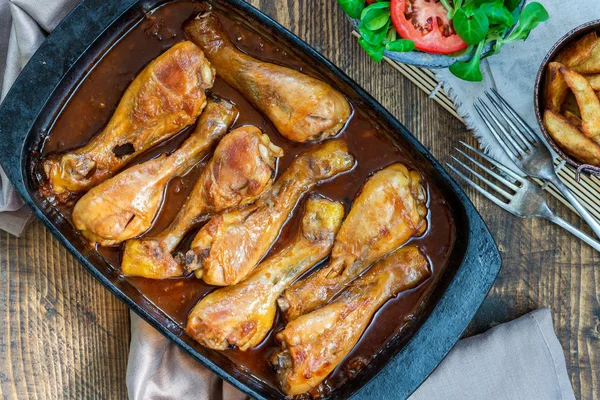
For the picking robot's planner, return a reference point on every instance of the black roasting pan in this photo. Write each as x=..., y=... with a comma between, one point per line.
x=62, y=61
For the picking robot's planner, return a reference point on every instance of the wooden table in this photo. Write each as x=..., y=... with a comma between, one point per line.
x=63, y=335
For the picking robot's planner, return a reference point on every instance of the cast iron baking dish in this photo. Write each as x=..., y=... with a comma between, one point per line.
x=64, y=60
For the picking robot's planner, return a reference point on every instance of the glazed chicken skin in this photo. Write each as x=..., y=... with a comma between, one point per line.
x=125, y=206
x=242, y=167
x=167, y=96
x=302, y=108
x=389, y=210
x=230, y=245
x=315, y=343
x=242, y=315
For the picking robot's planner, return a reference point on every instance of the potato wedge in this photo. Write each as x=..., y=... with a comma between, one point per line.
x=577, y=52
x=590, y=65
x=571, y=139
x=573, y=119
x=589, y=104
x=570, y=104
x=556, y=87
x=594, y=81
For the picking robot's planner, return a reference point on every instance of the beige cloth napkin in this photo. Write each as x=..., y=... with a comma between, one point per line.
x=23, y=26
x=521, y=359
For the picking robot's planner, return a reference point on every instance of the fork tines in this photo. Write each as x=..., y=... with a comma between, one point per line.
x=504, y=190
x=518, y=139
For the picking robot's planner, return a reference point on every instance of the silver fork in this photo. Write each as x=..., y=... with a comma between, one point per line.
x=526, y=149
x=515, y=194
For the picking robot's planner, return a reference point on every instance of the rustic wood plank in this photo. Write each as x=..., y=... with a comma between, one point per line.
x=64, y=335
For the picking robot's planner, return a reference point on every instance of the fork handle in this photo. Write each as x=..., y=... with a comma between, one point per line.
x=581, y=235
x=585, y=214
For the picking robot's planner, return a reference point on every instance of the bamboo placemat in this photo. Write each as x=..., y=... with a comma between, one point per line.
x=587, y=190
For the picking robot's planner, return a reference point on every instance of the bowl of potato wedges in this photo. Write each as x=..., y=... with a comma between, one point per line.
x=567, y=97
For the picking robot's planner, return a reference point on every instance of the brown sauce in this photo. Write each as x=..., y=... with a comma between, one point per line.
x=96, y=97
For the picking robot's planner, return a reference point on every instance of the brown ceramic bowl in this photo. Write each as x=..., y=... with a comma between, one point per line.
x=539, y=91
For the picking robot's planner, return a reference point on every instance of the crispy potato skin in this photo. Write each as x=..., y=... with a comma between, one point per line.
x=556, y=87
x=572, y=118
x=594, y=81
x=589, y=104
x=577, y=52
x=591, y=64
x=570, y=105
x=571, y=139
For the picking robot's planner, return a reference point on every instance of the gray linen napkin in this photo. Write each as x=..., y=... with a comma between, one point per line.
x=521, y=359
x=23, y=27
x=513, y=71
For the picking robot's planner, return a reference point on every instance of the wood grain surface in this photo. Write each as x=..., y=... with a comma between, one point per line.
x=62, y=335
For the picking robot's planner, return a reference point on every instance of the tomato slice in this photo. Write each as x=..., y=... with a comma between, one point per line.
x=426, y=23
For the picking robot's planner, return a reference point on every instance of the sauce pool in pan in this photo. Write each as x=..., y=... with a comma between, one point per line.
x=94, y=101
